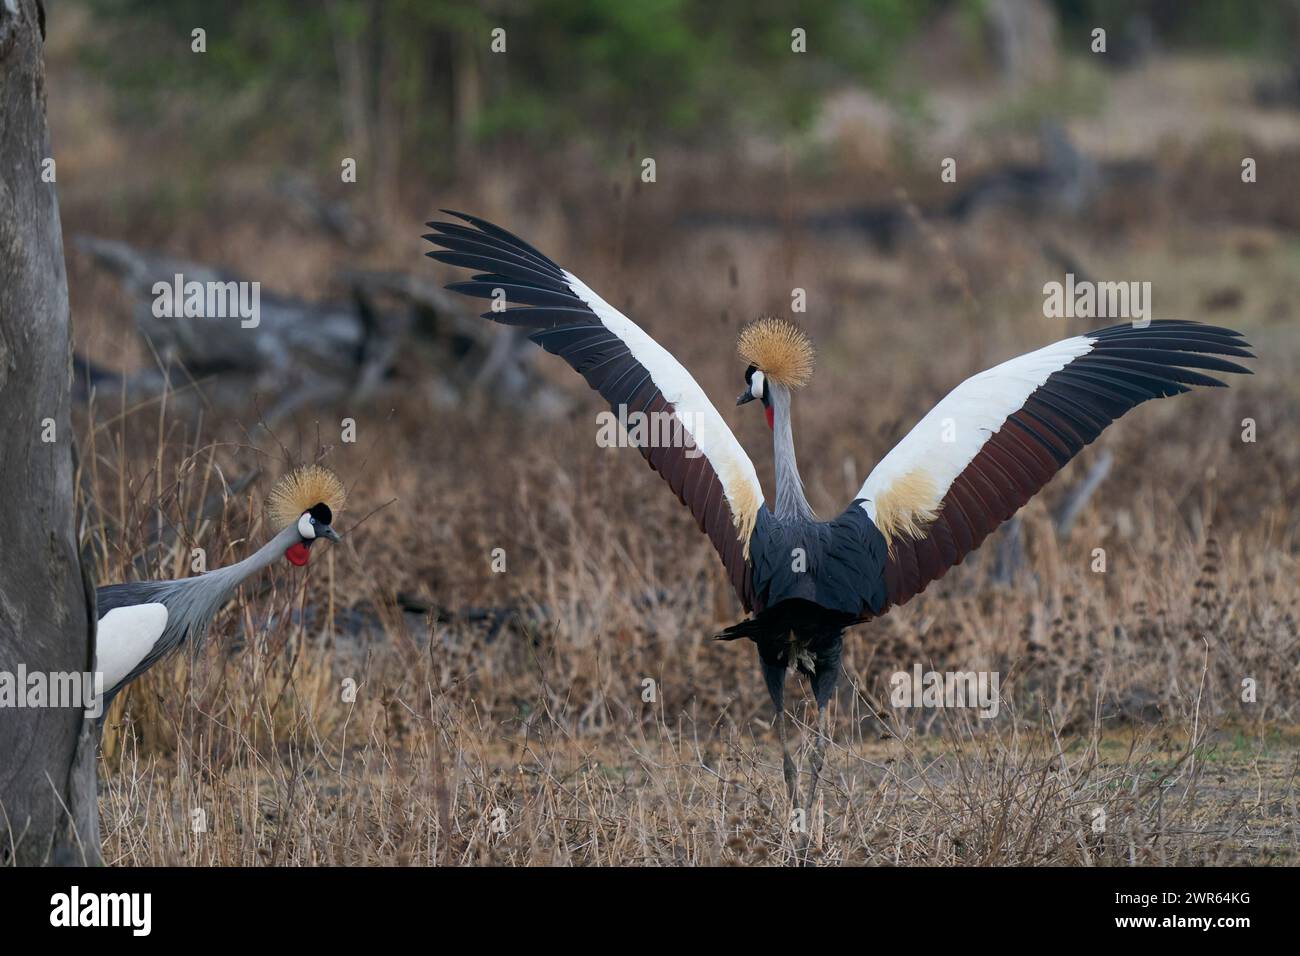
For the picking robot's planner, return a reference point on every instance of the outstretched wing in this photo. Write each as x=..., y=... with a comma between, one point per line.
x=998, y=437
x=710, y=473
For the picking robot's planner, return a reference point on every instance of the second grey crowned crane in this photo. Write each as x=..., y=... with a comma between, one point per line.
x=142, y=621
x=990, y=445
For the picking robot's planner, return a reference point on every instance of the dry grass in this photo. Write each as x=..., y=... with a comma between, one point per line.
x=511, y=727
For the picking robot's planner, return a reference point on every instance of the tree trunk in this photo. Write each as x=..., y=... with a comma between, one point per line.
x=47, y=754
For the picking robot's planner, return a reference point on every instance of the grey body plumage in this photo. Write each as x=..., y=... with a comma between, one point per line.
x=812, y=580
x=191, y=603
x=302, y=504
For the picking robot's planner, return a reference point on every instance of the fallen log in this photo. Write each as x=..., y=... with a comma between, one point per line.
x=299, y=352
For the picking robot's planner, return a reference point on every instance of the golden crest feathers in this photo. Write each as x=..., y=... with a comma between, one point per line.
x=779, y=349
x=302, y=488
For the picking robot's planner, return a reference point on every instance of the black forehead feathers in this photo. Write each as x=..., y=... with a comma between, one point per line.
x=749, y=373
x=321, y=512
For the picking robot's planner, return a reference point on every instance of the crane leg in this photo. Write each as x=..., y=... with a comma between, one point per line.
x=818, y=757
x=787, y=762
x=774, y=677
x=824, y=679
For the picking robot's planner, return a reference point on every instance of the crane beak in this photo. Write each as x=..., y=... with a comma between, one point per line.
x=325, y=531
x=745, y=396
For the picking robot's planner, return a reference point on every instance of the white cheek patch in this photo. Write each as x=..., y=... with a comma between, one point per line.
x=305, y=527
x=756, y=385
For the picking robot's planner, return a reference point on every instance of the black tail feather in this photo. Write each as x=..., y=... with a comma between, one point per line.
x=750, y=628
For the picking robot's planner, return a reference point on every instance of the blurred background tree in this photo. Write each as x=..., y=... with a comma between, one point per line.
x=417, y=78
x=411, y=88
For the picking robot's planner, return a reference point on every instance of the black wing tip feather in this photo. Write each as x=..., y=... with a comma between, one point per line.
x=1169, y=324
x=1197, y=331
x=462, y=216
x=492, y=234
x=535, y=288
x=1165, y=340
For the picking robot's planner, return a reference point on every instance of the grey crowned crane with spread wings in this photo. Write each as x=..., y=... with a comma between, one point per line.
x=140, y=622
x=967, y=466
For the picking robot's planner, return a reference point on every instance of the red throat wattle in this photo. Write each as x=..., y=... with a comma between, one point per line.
x=768, y=412
x=298, y=554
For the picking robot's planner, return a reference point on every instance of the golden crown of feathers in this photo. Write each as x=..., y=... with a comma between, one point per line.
x=779, y=349
x=302, y=488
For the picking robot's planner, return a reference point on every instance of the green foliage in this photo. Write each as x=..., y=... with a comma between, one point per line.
x=601, y=68
x=604, y=70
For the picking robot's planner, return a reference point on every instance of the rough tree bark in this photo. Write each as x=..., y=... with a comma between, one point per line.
x=47, y=755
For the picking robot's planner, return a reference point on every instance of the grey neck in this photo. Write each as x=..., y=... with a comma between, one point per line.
x=263, y=557
x=204, y=595
x=790, y=500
